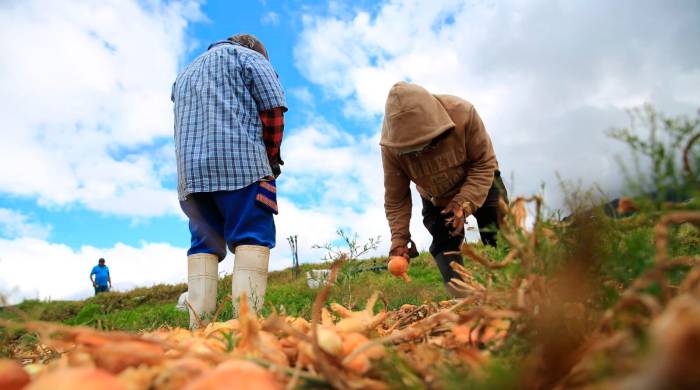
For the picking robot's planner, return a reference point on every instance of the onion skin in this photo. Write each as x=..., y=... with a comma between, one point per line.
x=77, y=378
x=462, y=333
x=398, y=266
x=12, y=375
x=329, y=341
x=180, y=373
x=359, y=364
x=116, y=357
x=236, y=374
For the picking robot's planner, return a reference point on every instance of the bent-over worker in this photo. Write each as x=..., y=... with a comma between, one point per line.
x=438, y=142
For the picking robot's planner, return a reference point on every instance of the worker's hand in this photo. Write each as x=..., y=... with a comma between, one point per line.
x=94, y=285
x=455, y=219
x=276, y=170
x=276, y=163
x=399, y=251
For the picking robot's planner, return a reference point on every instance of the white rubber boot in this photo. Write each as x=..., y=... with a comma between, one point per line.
x=250, y=275
x=202, y=278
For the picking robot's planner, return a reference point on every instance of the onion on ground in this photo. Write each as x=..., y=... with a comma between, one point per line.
x=77, y=378
x=12, y=375
x=236, y=374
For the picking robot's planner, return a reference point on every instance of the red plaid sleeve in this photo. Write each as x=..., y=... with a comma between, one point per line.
x=273, y=128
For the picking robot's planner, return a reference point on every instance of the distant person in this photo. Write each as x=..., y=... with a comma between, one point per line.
x=100, y=278
x=439, y=143
x=229, y=121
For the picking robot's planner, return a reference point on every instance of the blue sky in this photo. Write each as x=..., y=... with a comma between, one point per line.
x=75, y=226
x=88, y=163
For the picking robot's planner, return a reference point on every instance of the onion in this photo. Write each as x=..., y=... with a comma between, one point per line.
x=354, y=324
x=398, y=266
x=329, y=341
x=236, y=374
x=117, y=356
x=221, y=327
x=301, y=325
x=272, y=349
x=462, y=333
x=12, y=375
x=180, y=373
x=359, y=364
x=77, y=378
x=351, y=341
x=290, y=347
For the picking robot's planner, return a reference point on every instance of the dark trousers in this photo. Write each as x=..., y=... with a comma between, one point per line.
x=101, y=289
x=486, y=216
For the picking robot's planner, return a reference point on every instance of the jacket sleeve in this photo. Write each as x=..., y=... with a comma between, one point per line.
x=481, y=164
x=397, y=199
x=273, y=131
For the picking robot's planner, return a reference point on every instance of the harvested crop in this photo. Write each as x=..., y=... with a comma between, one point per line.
x=77, y=378
x=181, y=372
x=12, y=375
x=329, y=341
x=398, y=266
x=236, y=374
x=116, y=357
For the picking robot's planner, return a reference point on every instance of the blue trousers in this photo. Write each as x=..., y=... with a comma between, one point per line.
x=227, y=218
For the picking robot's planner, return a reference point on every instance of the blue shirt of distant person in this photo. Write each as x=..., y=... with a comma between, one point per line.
x=101, y=281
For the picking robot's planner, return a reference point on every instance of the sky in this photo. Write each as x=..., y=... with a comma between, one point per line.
x=87, y=164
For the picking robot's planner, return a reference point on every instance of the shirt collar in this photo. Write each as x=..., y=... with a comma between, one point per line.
x=219, y=43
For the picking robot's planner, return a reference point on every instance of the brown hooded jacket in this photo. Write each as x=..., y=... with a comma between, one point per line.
x=459, y=167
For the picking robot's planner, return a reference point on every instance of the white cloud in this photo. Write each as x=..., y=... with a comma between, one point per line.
x=332, y=179
x=14, y=223
x=304, y=95
x=85, y=101
x=270, y=18
x=35, y=268
x=548, y=79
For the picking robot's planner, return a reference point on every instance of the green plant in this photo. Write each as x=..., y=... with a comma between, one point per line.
x=350, y=248
x=667, y=145
x=349, y=251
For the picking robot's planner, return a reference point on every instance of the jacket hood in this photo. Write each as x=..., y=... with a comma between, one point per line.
x=412, y=117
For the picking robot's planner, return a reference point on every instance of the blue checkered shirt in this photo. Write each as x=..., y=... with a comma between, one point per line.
x=218, y=132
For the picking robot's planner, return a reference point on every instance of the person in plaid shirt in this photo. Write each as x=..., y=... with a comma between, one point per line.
x=229, y=120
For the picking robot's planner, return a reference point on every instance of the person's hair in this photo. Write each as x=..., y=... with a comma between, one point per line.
x=101, y=260
x=249, y=41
